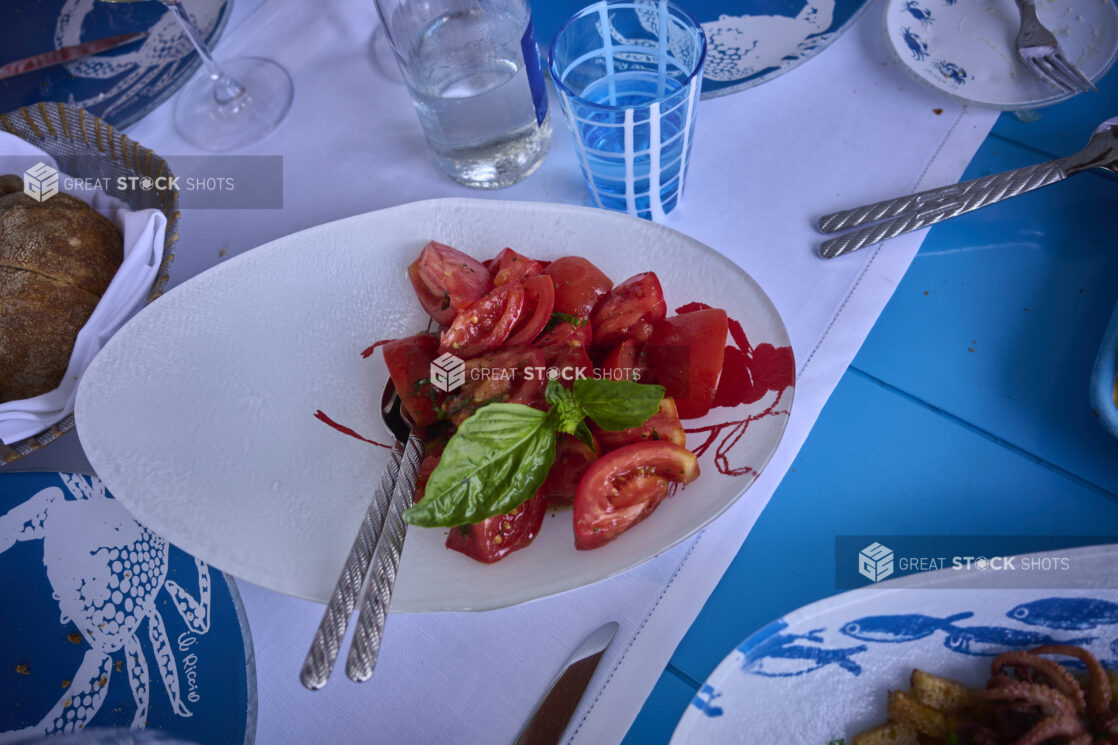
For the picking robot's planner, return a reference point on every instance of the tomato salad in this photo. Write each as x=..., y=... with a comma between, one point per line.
x=571, y=392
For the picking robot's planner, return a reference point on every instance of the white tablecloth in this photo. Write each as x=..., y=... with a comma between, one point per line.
x=848, y=127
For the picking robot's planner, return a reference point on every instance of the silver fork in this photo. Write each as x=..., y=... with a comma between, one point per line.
x=1041, y=54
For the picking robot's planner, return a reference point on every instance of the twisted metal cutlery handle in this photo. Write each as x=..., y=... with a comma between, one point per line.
x=328, y=637
x=381, y=578
x=929, y=207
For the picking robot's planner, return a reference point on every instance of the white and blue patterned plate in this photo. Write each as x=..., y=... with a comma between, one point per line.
x=120, y=85
x=104, y=624
x=749, y=41
x=965, y=48
x=837, y=658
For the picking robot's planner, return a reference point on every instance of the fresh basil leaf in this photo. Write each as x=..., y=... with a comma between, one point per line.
x=496, y=460
x=582, y=432
x=617, y=404
x=555, y=393
x=567, y=413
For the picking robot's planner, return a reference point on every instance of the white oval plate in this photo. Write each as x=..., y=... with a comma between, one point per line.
x=840, y=656
x=200, y=414
x=964, y=48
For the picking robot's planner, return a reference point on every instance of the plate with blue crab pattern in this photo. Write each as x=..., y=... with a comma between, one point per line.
x=837, y=658
x=120, y=85
x=104, y=624
x=748, y=41
x=965, y=48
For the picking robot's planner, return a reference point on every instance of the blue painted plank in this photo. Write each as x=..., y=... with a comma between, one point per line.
x=879, y=463
x=662, y=710
x=1063, y=128
x=1000, y=317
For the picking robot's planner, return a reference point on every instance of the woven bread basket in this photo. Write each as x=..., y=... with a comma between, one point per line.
x=87, y=147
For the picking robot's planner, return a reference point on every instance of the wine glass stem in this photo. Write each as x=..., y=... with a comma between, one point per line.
x=226, y=88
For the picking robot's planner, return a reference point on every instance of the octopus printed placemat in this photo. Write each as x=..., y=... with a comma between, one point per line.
x=747, y=42
x=120, y=85
x=106, y=624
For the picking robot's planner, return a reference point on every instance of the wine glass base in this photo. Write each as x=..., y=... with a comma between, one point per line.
x=206, y=123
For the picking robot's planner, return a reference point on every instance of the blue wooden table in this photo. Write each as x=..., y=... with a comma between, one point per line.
x=966, y=411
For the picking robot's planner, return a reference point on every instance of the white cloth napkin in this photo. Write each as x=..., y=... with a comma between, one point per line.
x=844, y=129
x=143, y=232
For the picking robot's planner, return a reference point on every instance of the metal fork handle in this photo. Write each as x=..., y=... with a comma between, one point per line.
x=1033, y=33
x=328, y=637
x=937, y=205
x=381, y=578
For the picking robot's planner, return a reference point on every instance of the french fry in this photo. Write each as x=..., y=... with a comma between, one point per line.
x=890, y=733
x=932, y=710
x=946, y=695
x=904, y=708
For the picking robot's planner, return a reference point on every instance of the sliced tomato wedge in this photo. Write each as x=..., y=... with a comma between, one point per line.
x=575, y=332
x=539, y=298
x=513, y=375
x=445, y=279
x=626, y=361
x=578, y=285
x=510, y=266
x=624, y=486
x=663, y=426
x=629, y=311
x=409, y=366
x=686, y=354
x=496, y=537
x=566, y=350
x=484, y=324
x=568, y=364
x=572, y=458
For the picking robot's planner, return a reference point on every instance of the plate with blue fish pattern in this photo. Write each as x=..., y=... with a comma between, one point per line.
x=838, y=657
x=965, y=48
x=748, y=41
x=104, y=624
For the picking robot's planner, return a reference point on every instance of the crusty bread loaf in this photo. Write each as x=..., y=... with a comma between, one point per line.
x=57, y=257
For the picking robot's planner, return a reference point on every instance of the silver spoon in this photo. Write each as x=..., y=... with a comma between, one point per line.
x=328, y=637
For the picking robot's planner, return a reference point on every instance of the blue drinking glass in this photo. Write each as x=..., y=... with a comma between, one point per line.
x=628, y=75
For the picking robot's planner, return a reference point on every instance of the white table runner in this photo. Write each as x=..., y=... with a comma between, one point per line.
x=844, y=129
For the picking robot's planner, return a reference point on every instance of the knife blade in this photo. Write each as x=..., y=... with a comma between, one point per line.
x=65, y=54
x=550, y=718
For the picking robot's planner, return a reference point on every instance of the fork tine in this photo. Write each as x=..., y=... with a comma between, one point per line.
x=1070, y=81
x=1032, y=64
x=1054, y=74
x=1061, y=60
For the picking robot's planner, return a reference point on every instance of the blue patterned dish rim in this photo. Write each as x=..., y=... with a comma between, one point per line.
x=966, y=49
x=748, y=42
x=843, y=653
x=114, y=627
x=121, y=85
